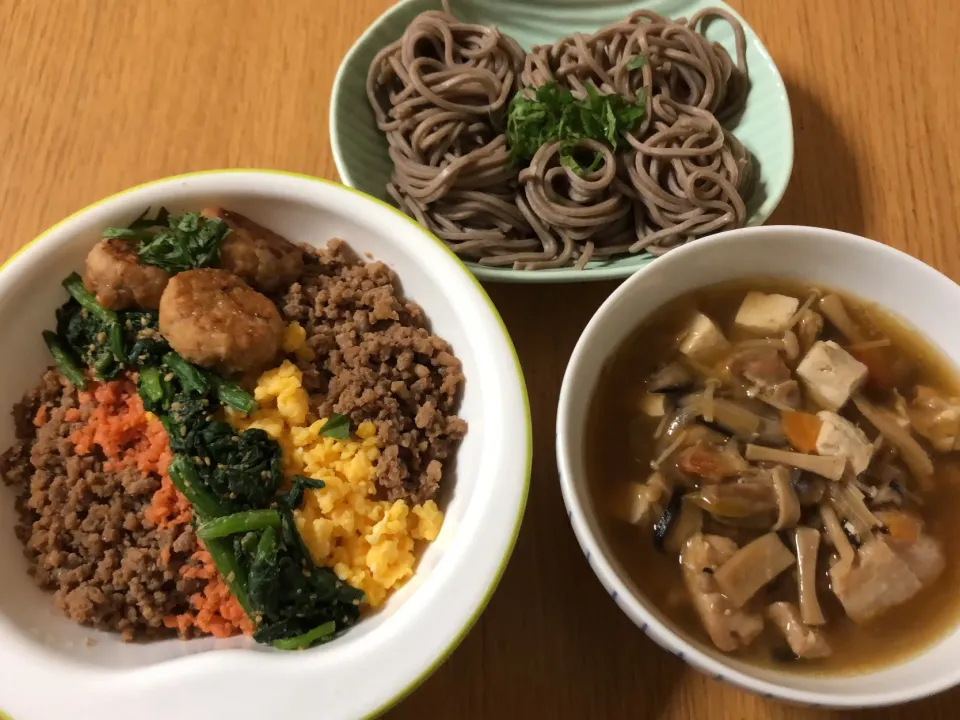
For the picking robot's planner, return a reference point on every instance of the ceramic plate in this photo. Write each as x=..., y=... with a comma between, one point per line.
x=360, y=150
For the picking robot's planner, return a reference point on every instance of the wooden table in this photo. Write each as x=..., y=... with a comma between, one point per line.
x=99, y=95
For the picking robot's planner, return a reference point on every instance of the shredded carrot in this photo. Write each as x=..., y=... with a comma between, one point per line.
x=802, y=430
x=43, y=414
x=130, y=437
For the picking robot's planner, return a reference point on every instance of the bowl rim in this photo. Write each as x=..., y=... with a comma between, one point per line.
x=661, y=630
x=558, y=275
x=525, y=466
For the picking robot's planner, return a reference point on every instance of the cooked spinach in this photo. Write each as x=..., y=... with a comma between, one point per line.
x=231, y=478
x=90, y=339
x=241, y=522
x=64, y=358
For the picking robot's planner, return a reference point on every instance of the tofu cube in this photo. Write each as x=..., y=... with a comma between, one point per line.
x=762, y=314
x=654, y=404
x=702, y=341
x=830, y=374
x=840, y=437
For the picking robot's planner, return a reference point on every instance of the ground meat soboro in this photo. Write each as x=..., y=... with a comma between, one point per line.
x=83, y=529
x=376, y=360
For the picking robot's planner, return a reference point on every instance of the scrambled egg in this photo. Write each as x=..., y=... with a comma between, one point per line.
x=369, y=543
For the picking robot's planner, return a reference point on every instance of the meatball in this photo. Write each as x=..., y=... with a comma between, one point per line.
x=119, y=280
x=267, y=261
x=214, y=319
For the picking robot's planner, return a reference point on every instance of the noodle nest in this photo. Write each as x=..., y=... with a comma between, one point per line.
x=441, y=95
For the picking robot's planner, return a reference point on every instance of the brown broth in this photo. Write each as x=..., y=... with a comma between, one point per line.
x=895, y=636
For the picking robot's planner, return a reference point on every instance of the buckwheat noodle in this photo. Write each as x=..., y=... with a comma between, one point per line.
x=440, y=94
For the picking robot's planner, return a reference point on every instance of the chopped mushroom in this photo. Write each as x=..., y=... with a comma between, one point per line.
x=672, y=377
x=936, y=418
x=729, y=628
x=738, y=500
x=824, y=465
x=752, y=567
x=689, y=522
x=762, y=374
x=832, y=307
x=806, y=546
x=830, y=374
x=732, y=417
x=910, y=451
x=710, y=462
x=838, y=538
x=805, y=642
x=809, y=327
x=847, y=500
x=787, y=501
x=840, y=437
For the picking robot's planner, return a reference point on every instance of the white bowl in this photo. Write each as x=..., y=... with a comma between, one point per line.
x=918, y=294
x=386, y=655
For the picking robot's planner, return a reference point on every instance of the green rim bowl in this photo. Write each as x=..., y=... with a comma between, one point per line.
x=360, y=149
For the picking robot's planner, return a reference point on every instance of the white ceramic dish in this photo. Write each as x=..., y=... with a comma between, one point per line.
x=914, y=291
x=50, y=673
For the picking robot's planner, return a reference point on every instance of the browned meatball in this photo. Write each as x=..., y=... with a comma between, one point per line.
x=267, y=261
x=214, y=319
x=119, y=280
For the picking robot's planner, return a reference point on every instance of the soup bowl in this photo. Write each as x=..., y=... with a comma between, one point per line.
x=386, y=654
x=912, y=291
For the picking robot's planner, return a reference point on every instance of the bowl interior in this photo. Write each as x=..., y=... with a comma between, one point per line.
x=907, y=287
x=360, y=150
x=311, y=211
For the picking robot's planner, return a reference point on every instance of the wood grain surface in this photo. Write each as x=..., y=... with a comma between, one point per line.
x=99, y=95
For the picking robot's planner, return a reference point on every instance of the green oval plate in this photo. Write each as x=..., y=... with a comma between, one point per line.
x=360, y=150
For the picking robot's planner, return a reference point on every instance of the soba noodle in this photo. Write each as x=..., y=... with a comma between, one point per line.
x=441, y=94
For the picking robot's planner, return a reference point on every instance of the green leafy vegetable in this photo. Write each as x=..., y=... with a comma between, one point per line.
x=68, y=365
x=299, y=642
x=231, y=478
x=636, y=62
x=241, y=522
x=231, y=394
x=193, y=380
x=294, y=496
x=89, y=339
x=143, y=343
x=187, y=241
x=73, y=284
x=222, y=552
x=337, y=426
x=552, y=113
x=183, y=473
x=290, y=595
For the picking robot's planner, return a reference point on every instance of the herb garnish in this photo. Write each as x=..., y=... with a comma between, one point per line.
x=337, y=426
x=552, y=113
x=175, y=243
